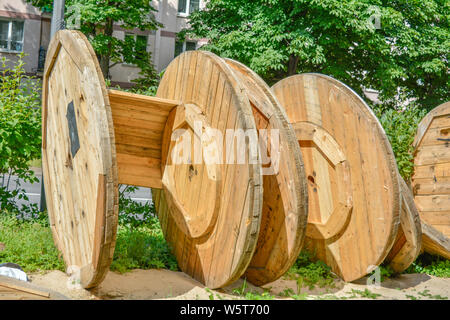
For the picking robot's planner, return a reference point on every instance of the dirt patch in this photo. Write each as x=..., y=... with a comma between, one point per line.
x=165, y=284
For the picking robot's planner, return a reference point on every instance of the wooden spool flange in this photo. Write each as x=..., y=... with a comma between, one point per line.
x=354, y=198
x=283, y=221
x=431, y=178
x=79, y=157
x=94, y=139
x=408, y=244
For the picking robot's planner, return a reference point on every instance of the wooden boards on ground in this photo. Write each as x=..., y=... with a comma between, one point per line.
x=408, y=243
x=13, y=289
x=431, y=178
x=285, y=200
x=354, y=196
x=79, y=157
x=434, y=241
x=210, y=211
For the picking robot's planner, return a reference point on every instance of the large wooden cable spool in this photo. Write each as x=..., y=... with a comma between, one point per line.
x=79, y=157
x=223, y=201
x=94, y=139
x=408, y=243
x=354, y=196
x=431, y=178
x=284, y=212
x=210, y=211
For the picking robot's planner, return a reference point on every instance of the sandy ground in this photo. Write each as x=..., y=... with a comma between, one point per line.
x=165, y=284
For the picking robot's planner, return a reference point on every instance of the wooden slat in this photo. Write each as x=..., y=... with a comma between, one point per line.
x=432, y=171
x=139, y=122
x=432, y=155
x=430, y=186
x=439, y=203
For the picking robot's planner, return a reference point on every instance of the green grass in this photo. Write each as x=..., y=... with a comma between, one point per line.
x=366, y=293
x=310, y=273
x=431, y=265
x=142, y=247
x=244, y=293
x=29, y=244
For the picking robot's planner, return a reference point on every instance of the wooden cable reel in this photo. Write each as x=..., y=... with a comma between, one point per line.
x=211, y=213
x=284, y=211
x=354, y=196
x=431, y=179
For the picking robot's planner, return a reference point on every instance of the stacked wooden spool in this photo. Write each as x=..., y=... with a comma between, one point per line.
x=431, y=179
x=246, y=212
x=223, y=218
x=353, y=185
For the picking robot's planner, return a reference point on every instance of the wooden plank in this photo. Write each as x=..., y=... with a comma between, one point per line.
x=434, y=241
x=146, y=102
x=433, y=203
x=432, y=155
x=432, y=186
x=436, y=218
x=441, y=170
x=23, y=287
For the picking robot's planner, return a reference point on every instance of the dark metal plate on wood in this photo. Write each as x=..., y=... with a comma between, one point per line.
x=73, y=130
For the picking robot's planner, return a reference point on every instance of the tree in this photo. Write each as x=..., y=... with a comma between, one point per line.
x=406, y=56
x=97, y=20
x=20, y=131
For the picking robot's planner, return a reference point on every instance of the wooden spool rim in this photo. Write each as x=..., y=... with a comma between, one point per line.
x=425, y=123
x=271, y=272
x=409, y=239
x=435, y=239
x=391, y=169
x=196, y=256
x=82, y=54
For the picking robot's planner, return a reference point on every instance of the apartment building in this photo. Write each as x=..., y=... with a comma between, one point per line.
x=162, y=43
x=24, y=28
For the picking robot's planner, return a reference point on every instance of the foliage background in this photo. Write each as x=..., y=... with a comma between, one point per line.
x=20, y=131
x=405, y=58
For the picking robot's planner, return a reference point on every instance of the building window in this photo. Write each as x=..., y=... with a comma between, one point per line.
x=11, y=35
x=181, y=47
x=186, y=7
x=139, y=46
